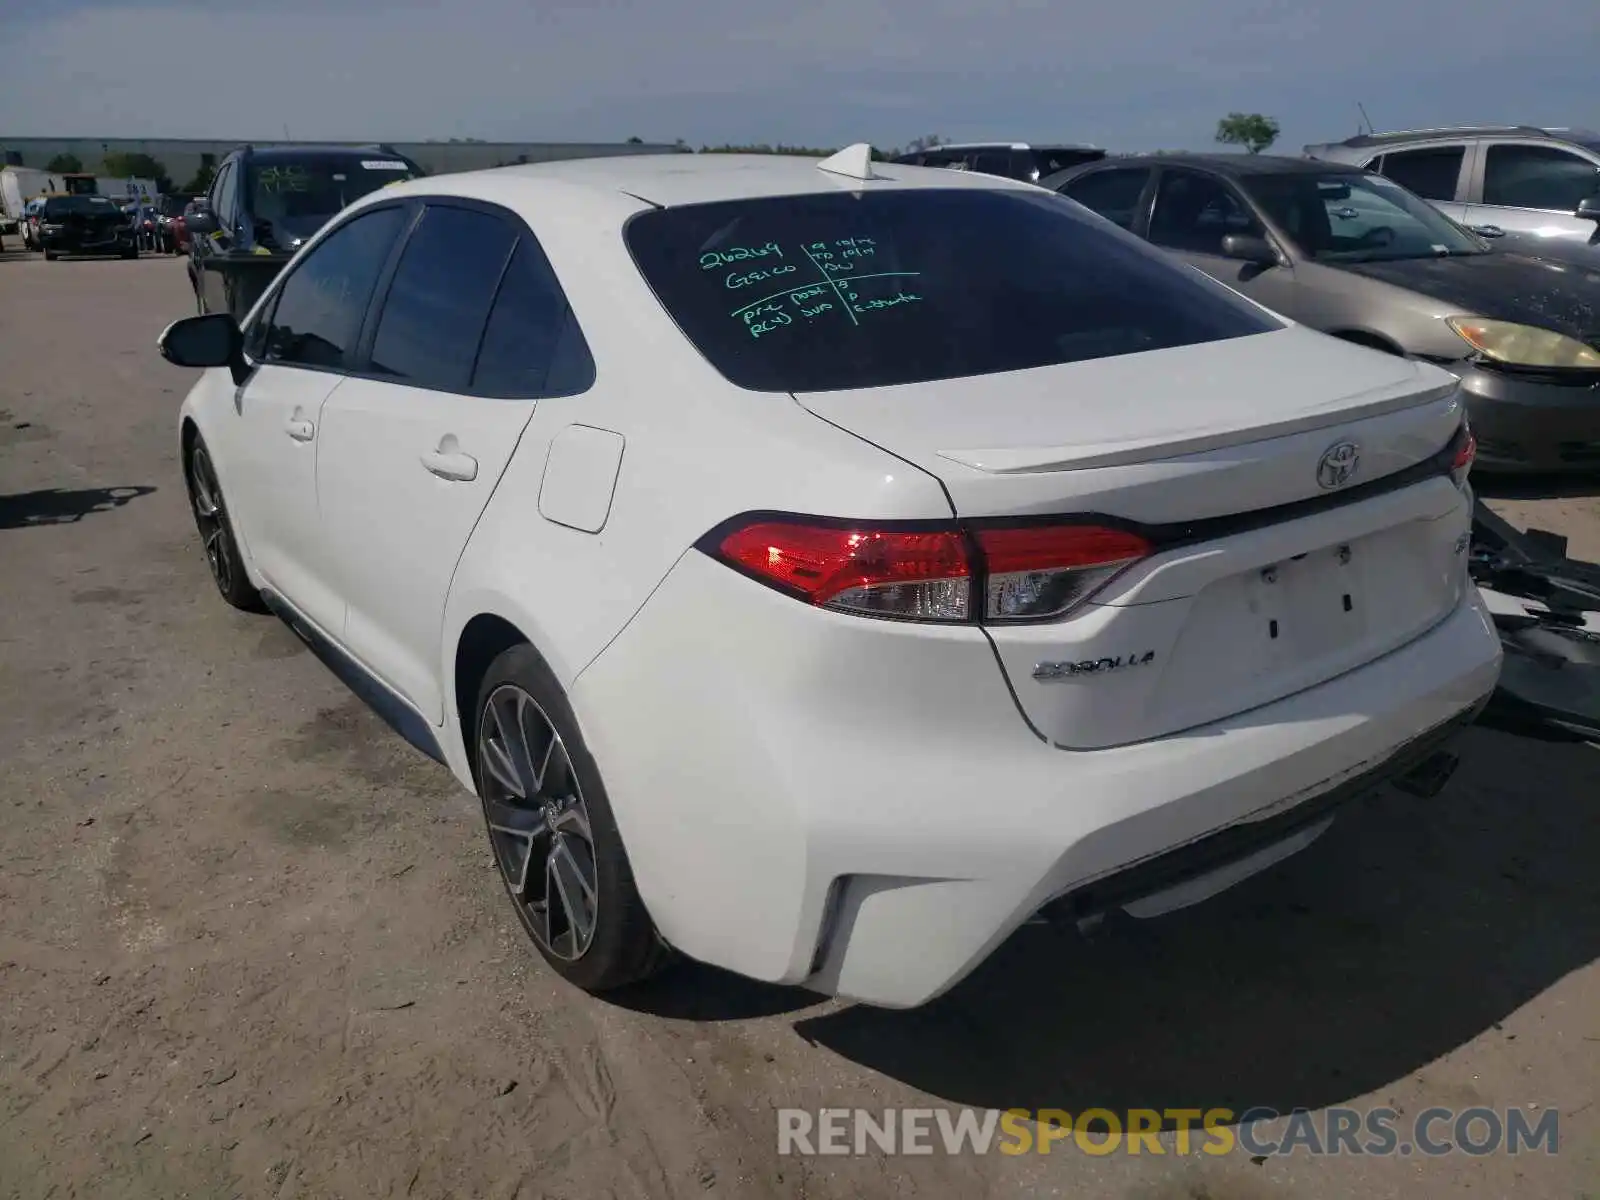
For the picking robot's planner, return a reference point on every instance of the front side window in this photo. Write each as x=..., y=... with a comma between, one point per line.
x=1048, y=160
x=1431, y=173
x=318, y=312
x=1349, y=217
x=222, y=195
x=1538, y=177
x=855, y=290
x=436, y=307
x=1114, y=194
x=1194, y=212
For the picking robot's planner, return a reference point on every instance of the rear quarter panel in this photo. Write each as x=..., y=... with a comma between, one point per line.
x=696, y=451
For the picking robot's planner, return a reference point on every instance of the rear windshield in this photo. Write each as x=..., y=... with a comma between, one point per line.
x=60, y=206
x=320, y=187
x=826, y=292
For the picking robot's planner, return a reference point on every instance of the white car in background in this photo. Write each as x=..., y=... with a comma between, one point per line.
x=820, y=569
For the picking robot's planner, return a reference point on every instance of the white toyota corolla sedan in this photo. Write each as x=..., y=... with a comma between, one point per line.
x=819, y=569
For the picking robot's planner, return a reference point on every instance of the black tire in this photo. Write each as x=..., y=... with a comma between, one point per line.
x=130, y=254
x=216, y=530
x=51, y=256
x=622, y=945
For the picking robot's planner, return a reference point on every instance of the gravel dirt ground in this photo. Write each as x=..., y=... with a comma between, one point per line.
x=251, y=944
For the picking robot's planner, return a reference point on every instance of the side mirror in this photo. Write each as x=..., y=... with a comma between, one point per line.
x=1589, y=209
x=1247, y=247
x=202, y=221
x=209, y=340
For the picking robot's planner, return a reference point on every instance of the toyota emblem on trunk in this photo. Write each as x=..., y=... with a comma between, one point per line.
x=1337, y=466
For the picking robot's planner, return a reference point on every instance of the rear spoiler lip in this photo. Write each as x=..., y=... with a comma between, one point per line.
x=1051, y=459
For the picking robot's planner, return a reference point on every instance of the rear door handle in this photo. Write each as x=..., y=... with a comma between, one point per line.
x=456, y=466
x=300, y=429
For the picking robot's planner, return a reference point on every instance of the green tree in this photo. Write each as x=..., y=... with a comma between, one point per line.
x=123, y=163
x=64, y=164
x=1251, y=130
x=636, y=141
x=201, y=182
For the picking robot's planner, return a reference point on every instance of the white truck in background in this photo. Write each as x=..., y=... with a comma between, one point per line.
x=126, y=191
x=18, y=185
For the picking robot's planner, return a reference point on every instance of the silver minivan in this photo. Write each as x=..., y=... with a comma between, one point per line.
x=1537, y=187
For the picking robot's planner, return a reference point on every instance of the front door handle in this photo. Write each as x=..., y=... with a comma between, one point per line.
x=300, y=429
x=453, y=465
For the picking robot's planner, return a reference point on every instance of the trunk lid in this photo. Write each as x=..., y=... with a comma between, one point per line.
x=1271, y=570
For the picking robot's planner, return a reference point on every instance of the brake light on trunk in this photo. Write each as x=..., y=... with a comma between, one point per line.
x=1035, y=572
x=1020, y=572
x=1466, y=446
x=905, y=574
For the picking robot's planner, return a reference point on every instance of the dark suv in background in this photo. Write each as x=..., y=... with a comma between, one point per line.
x=264, y=202
x=84, y=225
x=1013, y=160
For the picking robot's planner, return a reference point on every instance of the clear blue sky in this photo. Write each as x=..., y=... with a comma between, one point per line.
x=1128, y=74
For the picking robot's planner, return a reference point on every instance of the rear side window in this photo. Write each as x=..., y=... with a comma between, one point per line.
x=1113, y=194
x=1430, y=173
x=321, y=305
x=438, y=303
x=532, y=346
x=841, y=290
x=993, y=162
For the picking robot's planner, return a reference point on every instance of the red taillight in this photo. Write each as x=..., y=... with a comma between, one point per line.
x=1466, y=452
x=1022, y=573
x=913, y=575
x=1035, y=572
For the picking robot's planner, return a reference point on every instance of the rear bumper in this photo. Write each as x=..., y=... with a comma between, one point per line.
x=1525, y=425
x=97, y=244
x=1240, y=844
x=858, y=807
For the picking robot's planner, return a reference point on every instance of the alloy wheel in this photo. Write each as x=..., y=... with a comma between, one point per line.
x=212, y=519
x=538, y=823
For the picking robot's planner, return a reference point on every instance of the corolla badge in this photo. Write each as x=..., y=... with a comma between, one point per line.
x=1338, y=464
x=1051, y=672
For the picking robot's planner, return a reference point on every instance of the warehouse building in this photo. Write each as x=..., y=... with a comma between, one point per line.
x=184, y=157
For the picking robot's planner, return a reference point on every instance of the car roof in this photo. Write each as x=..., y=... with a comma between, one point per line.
x=301, y=152
x=1234, y=165
x=1007, y=146
x=1391, y=137
x=668, y=180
